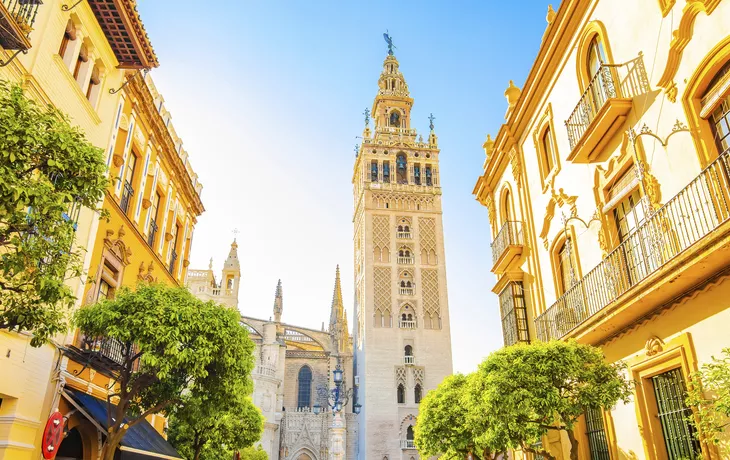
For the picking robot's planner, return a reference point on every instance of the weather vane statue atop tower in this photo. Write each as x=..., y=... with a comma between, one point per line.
x=431, y=118
x=389, y=41
x=367, y=116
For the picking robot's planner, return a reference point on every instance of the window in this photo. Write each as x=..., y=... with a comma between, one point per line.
x=720, y=122
x=417, y=393
x=546, y=152
x=409, y=433
x=127, y=190
x=628, y=216
x=69, y=35
x=395, y=119
x=81, y=61
x=374, y=171
x=514, y=314
x=596, y=434
x=566, y=269
x=717, y=95
x=173, y=253
x=153, y=219
x=105, y=290
x=678, y=433
x=304, y=394
x=92, y=91
x=417, y=173
x=386, y=172
x=596, y=56
x=401, y=168
x=401, y=394
x=429, y=179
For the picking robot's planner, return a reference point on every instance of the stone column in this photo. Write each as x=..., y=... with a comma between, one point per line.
x=338, y=437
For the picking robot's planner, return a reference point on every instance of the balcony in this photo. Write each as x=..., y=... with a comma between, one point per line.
x=104, y=354
x=409, y=360
x=16, y=23
x=676, y=249
x=603, y=108
x=407, y=444
x=403, y=235
x=127, y=194
x=405, y=291
x=267, y=371
x=405, y=324
x=507, y=246
x=405, y=260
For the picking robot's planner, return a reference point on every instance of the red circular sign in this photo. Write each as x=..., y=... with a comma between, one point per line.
x=52, y=435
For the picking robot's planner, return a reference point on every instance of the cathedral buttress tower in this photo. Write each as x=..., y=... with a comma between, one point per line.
x=401, y=331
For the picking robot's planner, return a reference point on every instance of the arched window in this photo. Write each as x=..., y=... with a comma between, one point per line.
x=401, y=168
x=72, y=446
x=401, y=394
x=596, y=55
x=417, y=393
x=304, y=395
x=374, y=171
x=507, y=212
x=92, y=91
x=417, y=173
x=408, y=350
x=565, y=266
x=386, y=172
x=395, y=119
x=409, y=433
x=406, y=229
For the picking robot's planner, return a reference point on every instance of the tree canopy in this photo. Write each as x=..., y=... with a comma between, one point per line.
x=171, y=344
x=709, y=392
x=209, y=427
x=441, y=428
x=47, y=168
x=517, y=395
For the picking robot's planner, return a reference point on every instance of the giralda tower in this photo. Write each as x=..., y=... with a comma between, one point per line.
x=403, y=343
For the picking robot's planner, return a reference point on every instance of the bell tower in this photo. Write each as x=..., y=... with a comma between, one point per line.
x=231, y=278
x=401, y=331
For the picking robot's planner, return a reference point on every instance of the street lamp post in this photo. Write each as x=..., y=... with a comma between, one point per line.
x=336, y=399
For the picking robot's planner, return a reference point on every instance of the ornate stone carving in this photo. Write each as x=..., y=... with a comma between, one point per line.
x=557, y=199
x=680, y=39
x=146, y=274
x=117, y=246
x=516, y=167
x=654, y=346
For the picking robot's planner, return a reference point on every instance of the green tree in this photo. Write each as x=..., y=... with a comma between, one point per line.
x=524, y=391
x=445, y=427
x=709, y=392
x=47, y=167
x=251, y=453
x=206, y=426
x=171, y=343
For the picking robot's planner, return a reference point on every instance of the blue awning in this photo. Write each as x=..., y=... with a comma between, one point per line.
x=141, y=442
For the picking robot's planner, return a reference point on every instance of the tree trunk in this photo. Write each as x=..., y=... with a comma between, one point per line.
x=113, y=440
x=197, y=446
x=573, y=445
x=542, y=452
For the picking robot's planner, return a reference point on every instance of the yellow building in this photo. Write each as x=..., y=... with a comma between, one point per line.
x=608, y=191
x=77, y=56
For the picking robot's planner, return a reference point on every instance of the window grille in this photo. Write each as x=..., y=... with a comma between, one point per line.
x=514, y=314
x=679, y=434
x=596, y=434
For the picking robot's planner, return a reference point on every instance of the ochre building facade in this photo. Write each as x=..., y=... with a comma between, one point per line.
x=608, y=192
x=85, y=58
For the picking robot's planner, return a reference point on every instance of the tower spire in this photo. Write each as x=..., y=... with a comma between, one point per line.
x=278, y=303
x=338, y=317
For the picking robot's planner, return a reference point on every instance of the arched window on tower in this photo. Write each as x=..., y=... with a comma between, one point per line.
x=394, y=116
x=374, y=171
x=429, y=176
x=417, y=392
x=409, y=433
x=304, y=395
x=386, y=172
x=401, y=168
x=401, y=394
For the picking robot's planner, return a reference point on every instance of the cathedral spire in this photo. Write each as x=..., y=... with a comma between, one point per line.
x=231, y=263
x=278, y=303
x=338, y=317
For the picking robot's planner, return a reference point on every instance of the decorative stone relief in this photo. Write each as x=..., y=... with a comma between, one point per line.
x=117, y=246
x=382, y=286
x=516, y=163
x=381, y=236
x=145, y=274
x=418, y=375
x=654, y=346
x=427, y=232
x=400, y=376
x=557, y=199
x=430, y=290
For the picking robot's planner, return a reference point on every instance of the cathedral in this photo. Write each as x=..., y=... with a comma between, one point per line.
x=400, y=346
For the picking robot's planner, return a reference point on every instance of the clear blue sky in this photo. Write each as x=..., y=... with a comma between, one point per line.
x=267, y=97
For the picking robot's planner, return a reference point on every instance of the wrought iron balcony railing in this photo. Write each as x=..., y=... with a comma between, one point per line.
x=405, y=260
x=407, y=444
x=405, y=324
x=403, y=235
x=409, y=360
x=405, y=291
x=688, y=217
x=16, y=22
x=103, y=353
x=611, y=81
x=509, y=235
x=127, y=194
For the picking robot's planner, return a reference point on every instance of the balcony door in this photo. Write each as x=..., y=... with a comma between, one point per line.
x=629, y=214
